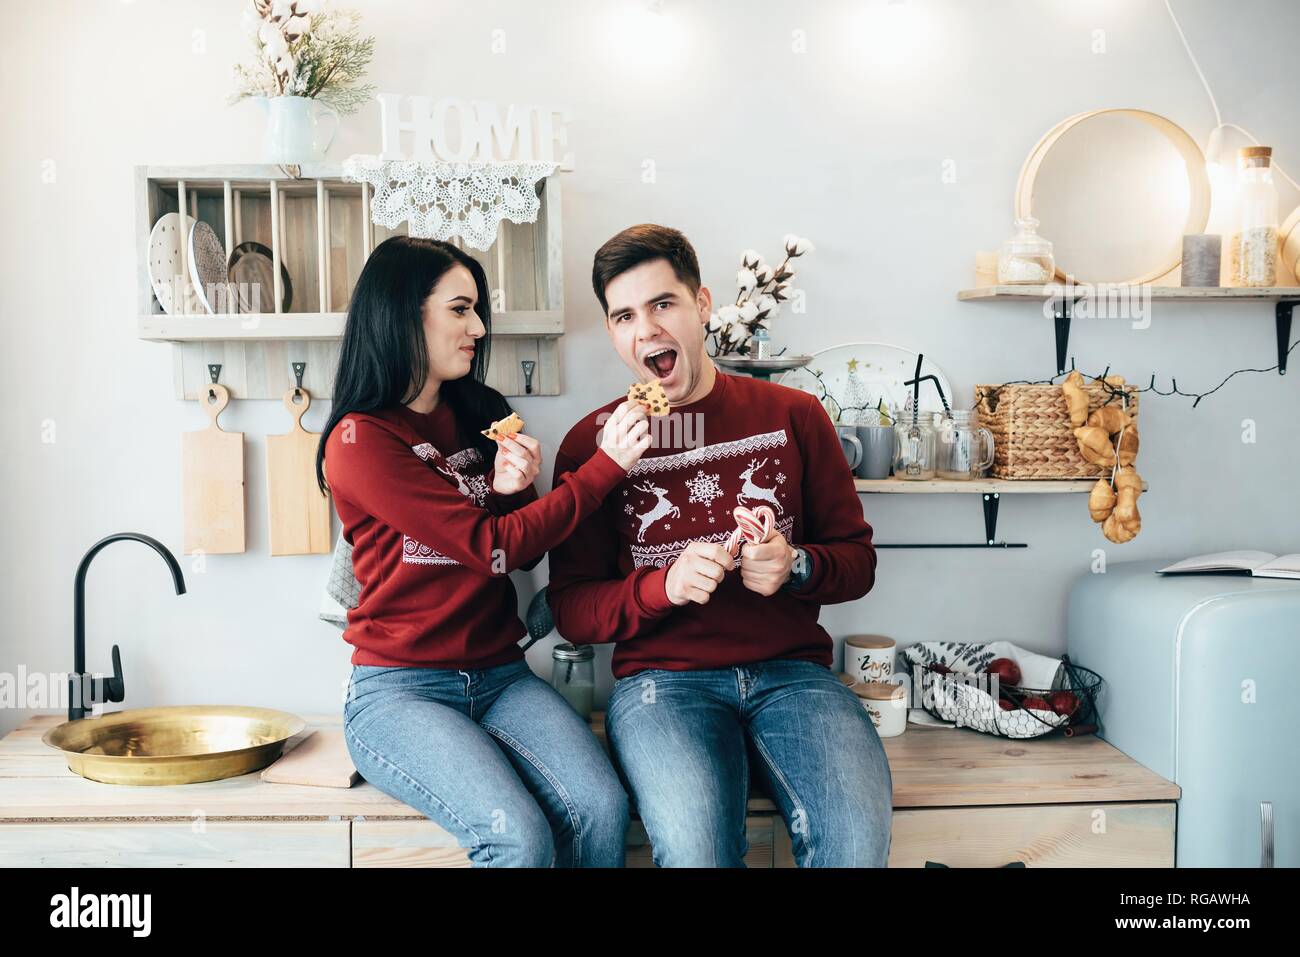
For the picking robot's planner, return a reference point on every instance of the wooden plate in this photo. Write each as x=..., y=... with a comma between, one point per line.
x=250, y=267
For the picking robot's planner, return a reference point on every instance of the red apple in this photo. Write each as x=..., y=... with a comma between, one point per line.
x=1008, y=671
x=1037, y=703
x=1064, y=702
x=1006, y=705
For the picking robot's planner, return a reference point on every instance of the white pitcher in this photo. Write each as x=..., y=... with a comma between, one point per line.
x=293, y=129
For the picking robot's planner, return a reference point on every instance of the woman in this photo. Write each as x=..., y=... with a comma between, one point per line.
x=443, y=711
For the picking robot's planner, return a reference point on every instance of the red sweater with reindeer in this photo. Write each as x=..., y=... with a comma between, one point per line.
x=433, y=544
x=747, y=442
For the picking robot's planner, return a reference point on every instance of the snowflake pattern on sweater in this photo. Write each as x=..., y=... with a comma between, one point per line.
x=465, y=470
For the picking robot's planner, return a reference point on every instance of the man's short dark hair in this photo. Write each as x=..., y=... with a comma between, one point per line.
x=640, y=244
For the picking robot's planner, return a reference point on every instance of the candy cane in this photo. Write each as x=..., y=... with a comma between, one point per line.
x=753, y=526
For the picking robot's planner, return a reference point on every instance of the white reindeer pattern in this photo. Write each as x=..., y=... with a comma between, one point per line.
x=461, y=485
x=757, y=493
x=661, y=508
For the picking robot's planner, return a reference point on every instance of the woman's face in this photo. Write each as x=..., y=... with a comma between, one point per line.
x=451, y=326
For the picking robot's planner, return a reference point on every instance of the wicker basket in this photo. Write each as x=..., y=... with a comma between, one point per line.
x=1032, y=435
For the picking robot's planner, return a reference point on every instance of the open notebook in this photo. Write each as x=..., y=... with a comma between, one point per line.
x=1260, y=564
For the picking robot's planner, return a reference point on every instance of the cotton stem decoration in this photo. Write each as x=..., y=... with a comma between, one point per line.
x=760, y=292
x=1109, y=438
x=305, y=50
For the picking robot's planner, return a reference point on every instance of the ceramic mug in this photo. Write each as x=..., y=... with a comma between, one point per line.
x=885, y=704
x=877, y=451
x=850, y=445
x=869, y=657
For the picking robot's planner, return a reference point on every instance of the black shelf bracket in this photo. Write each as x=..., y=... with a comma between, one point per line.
x=990, y=503
x=1284, y=307
x=1062, y=307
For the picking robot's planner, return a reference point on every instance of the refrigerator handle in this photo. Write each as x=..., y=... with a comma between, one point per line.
x=1265, y=833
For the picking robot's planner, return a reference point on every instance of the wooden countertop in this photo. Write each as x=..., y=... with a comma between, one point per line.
x=931, y=767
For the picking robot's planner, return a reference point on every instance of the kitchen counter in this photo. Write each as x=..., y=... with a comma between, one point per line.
x=960, y=797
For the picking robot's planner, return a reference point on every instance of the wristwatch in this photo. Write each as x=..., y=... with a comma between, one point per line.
x=800, y=570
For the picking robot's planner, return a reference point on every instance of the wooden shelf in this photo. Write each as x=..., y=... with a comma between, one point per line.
x=975, y=486
x=1063, y=298
x=314, y=325
x=319, y=230
x=990, y=491
x=1162, y=293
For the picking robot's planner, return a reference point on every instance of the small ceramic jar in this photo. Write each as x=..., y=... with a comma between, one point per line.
x=886, y=704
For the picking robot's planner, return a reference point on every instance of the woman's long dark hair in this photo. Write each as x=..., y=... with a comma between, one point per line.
x=383, y=361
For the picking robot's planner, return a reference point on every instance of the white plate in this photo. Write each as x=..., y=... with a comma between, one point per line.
x=207, y=263
x=166, y=273
x=881, y=371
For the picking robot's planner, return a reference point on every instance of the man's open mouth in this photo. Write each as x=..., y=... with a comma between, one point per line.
x=661, y=362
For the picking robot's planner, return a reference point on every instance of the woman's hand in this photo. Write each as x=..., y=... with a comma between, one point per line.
x=626, y=434
x=517, y=463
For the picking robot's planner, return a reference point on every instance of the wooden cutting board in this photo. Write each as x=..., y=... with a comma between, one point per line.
x=300, y=514
x=321, y=759
x=212, y=482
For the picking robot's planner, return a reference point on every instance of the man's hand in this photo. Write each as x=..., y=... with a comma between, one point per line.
x=518, y=461
x=765, y=568
x=697, y=572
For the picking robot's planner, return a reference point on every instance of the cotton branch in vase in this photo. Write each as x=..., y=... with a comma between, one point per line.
x=760, y=292
x=305, y=50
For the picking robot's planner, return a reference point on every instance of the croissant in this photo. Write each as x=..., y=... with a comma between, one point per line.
x=1128, y=445
x=1101, y=501
x=1111, y=418
x=1094, y=445
x=1076, y=399
x=1125, y=521
x=1120, y=532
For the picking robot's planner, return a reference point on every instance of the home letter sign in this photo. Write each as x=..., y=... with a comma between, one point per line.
x=467, y=131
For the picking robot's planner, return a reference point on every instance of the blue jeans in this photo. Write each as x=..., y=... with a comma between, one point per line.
x=495, y=756
x=683, y=742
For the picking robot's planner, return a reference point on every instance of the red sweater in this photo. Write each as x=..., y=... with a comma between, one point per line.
x=747, y=442
x=433, y=544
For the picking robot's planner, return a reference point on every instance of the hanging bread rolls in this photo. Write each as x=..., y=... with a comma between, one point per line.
x=1108, y=438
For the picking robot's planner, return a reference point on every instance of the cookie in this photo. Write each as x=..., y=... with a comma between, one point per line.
x=506, y=428
x=650, y=396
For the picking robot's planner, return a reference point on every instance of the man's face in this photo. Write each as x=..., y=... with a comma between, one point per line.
x=657, y=326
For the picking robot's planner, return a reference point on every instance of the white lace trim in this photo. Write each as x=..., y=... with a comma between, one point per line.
x=442, y=200
x=658, y=556
x=707, y=453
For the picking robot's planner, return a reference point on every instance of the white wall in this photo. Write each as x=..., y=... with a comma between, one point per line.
x=750, y=141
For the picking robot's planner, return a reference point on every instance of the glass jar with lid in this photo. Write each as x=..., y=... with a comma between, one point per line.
x=573, y=675
x=1252, y=250
x=1026, y=257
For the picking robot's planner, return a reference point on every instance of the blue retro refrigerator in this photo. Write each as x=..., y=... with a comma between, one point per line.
x=1203, y=687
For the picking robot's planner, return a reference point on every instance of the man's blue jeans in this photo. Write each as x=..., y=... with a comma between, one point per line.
x=683, y=742
x=495, y=756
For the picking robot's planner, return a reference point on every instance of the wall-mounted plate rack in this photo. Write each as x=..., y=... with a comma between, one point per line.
x=319, y=230
x=990, y=491
x=1063, y=299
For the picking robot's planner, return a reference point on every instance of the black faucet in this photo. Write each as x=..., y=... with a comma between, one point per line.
x=83, y=690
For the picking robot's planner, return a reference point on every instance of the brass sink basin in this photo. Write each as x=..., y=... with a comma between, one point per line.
x=174, y=745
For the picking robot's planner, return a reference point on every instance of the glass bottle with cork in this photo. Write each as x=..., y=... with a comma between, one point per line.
x=1253, y=247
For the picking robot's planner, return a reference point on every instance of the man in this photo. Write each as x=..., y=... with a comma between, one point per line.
x=721, y=663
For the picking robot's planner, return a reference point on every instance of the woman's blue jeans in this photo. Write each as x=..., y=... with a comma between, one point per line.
x=495, y=756
x=683, y=742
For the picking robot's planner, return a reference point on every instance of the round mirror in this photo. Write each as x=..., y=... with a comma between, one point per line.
x=1115, y=191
